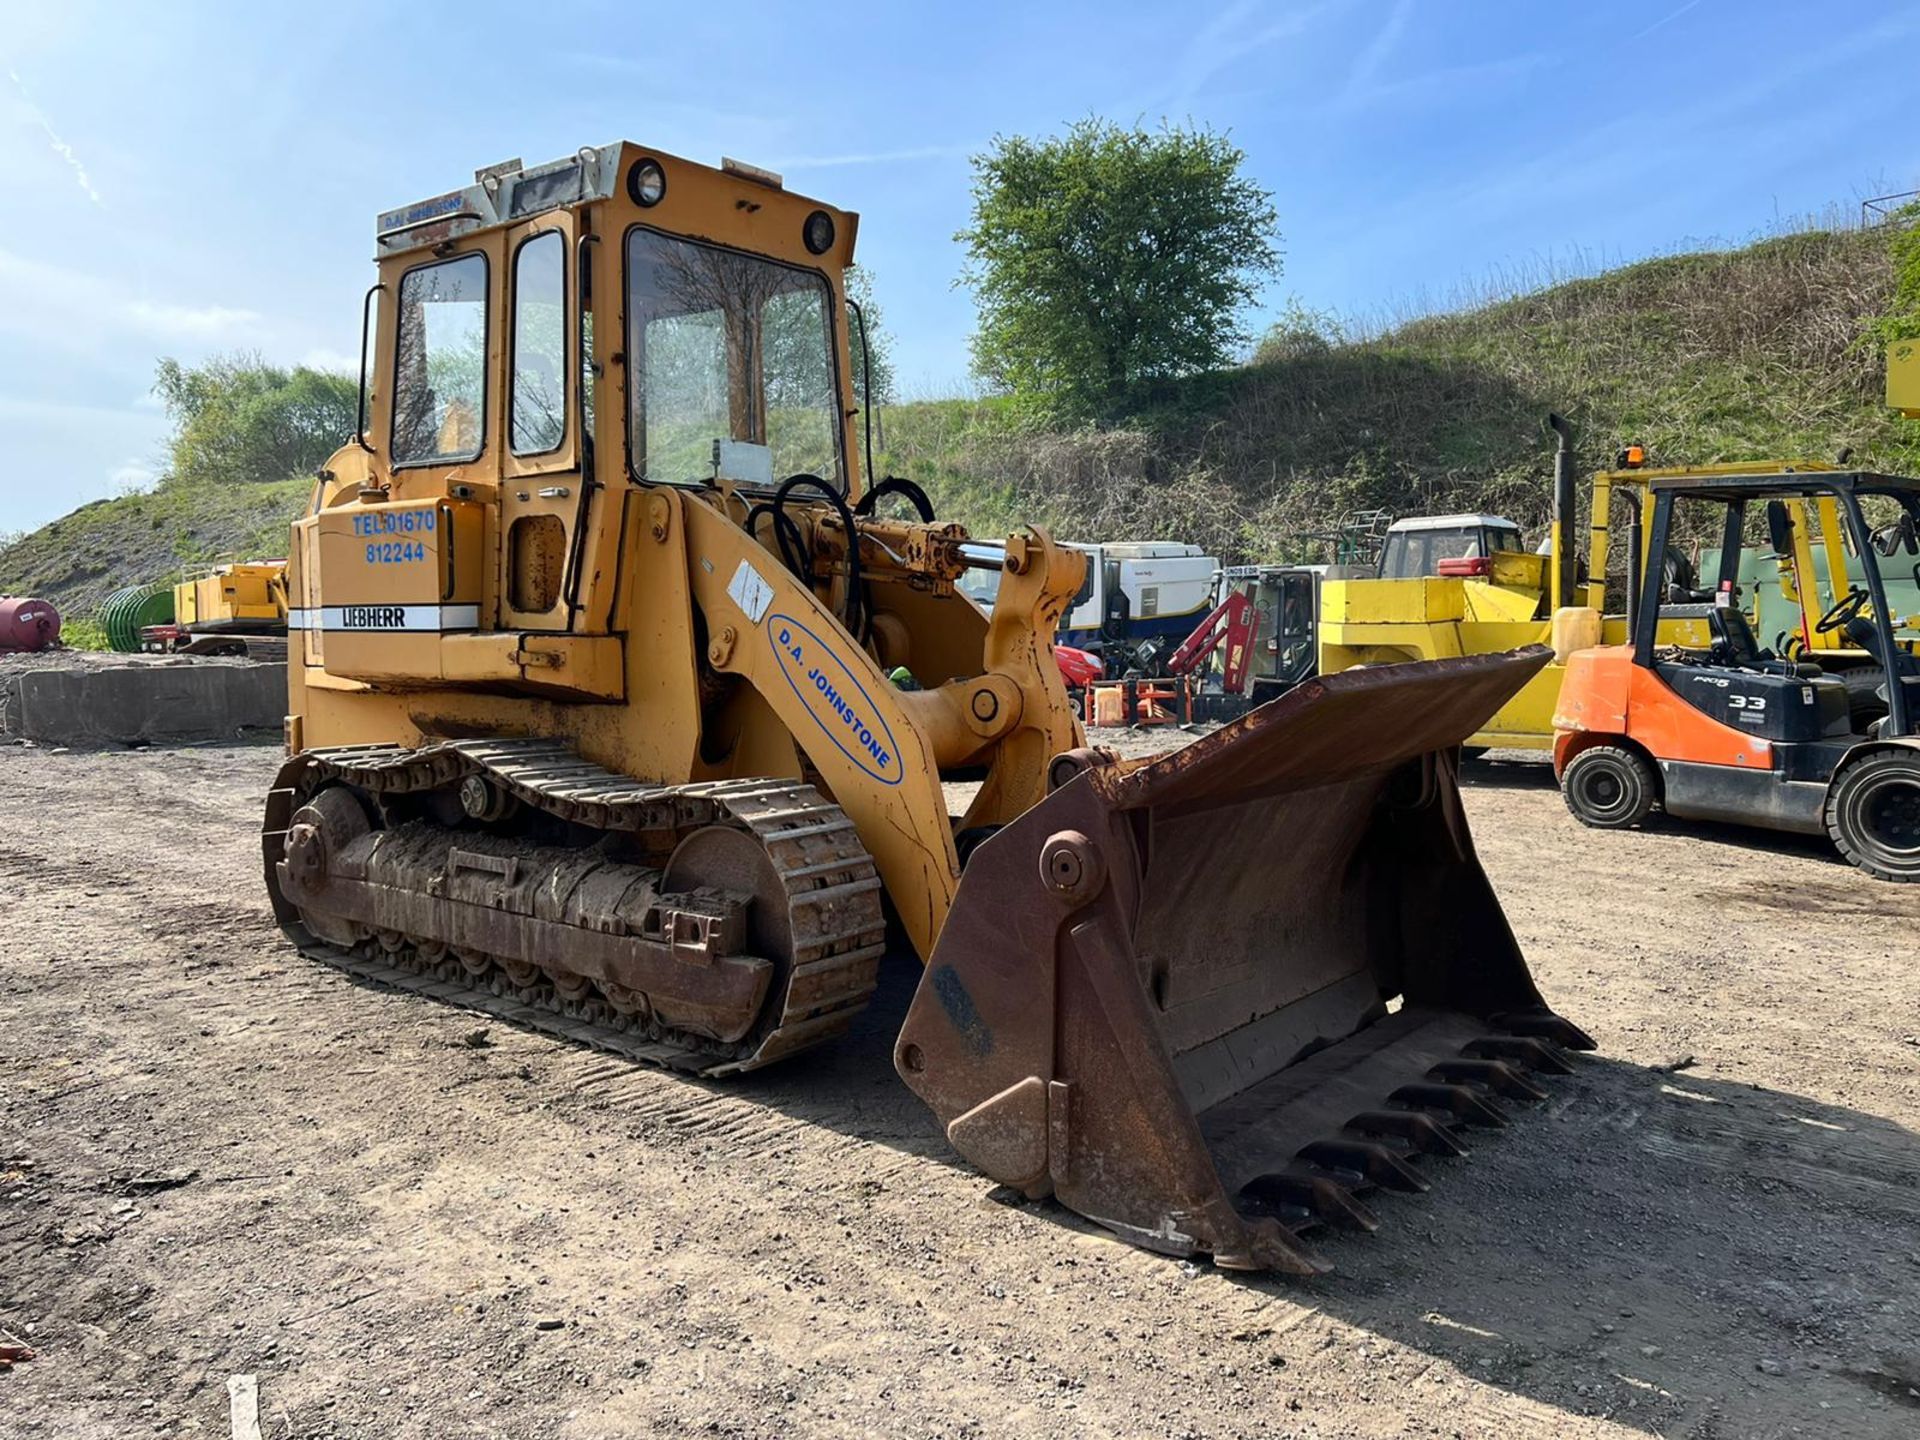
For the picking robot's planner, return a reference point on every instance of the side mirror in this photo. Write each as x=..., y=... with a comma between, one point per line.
x=1779, y=527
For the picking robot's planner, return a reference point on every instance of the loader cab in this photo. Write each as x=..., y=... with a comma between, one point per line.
x=537, y=345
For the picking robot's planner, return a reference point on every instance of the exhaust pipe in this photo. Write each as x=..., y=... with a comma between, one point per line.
x=1563, y=513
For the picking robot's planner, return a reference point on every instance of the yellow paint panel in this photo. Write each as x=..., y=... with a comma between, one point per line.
x=1513, y=570
x=1903, y=377
x=1494, y=603
x=1393, y=602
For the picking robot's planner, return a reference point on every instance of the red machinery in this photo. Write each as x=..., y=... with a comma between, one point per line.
x=1229, y=623
x=1079, y=668
x=27, y=624
x=1169, y=698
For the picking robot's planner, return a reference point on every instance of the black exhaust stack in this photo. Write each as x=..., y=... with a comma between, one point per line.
x=1564, y=513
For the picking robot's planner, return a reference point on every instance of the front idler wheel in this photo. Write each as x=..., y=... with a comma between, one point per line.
x=1873, y=814
x=1609, y=788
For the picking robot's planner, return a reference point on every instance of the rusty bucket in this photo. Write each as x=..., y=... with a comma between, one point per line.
x=1211, y=1000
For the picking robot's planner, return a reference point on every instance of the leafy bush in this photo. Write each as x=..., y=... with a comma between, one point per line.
x=240, y=421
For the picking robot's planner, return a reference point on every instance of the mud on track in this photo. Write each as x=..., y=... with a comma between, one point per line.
x=382, y=1213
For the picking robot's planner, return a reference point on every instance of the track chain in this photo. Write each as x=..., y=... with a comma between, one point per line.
x=833, y=891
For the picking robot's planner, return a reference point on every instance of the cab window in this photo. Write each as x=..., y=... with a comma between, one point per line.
x=1411, y=554
x=728, y=346
x=538, y=399
x=440, y=372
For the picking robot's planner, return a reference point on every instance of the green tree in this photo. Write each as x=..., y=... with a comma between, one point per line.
x=238, y=420
x=1109, y=258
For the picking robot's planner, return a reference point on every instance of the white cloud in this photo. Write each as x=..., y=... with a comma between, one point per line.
x=72, y=310
x=1231, y=34
x=191, y=322
x=325, y=357
x=54, y=142
x=1366, y=69
x=1666, y=19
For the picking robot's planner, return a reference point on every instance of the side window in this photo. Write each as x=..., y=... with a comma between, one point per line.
x=538, y=397
x=440, y=374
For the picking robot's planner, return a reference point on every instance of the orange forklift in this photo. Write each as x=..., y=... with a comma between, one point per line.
x=1734, y=732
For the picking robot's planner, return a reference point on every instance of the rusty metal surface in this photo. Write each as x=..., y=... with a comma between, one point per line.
x=732, y=951
x=1167, y=993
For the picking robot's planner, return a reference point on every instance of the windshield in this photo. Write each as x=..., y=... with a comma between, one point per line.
x=1414, y=553
x=726, y=346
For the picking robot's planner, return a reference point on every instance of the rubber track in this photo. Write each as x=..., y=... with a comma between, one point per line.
x=832, y=886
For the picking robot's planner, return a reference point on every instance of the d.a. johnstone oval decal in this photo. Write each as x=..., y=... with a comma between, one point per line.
x=837, y=701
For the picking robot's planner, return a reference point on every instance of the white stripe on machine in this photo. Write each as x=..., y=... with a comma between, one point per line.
x=410, y=618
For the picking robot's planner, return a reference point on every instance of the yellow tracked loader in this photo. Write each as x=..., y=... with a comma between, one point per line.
x=600, y=721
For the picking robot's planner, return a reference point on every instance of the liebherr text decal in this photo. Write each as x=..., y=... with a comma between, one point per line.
x=838, y=702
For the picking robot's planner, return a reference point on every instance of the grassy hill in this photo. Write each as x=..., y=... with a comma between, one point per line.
x=1729, y=355
x=80, y=558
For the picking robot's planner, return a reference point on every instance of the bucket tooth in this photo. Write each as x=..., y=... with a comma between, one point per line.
x=1377, y=1163
x=1541, y=1055
x=1542, y=1024
x=1496, y=1075
x=1324, y=1199
x=1461, y=1101
x=1416, y=1128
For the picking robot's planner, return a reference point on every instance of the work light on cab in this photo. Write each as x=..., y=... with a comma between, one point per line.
x=647, y=183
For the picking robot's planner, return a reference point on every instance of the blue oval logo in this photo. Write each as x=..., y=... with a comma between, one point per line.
x=838, y=702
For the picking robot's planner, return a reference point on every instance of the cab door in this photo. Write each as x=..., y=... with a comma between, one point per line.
x=543, y=497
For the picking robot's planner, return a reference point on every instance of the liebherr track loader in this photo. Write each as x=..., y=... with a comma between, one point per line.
x=599, y=720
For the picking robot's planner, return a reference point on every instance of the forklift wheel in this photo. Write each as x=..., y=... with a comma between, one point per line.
x=1608, y=788
x=1873, y=814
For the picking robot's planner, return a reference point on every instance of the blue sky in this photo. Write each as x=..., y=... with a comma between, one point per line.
x=204, y=176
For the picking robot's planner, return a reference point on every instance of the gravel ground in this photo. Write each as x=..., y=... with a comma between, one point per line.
x=216, y=1159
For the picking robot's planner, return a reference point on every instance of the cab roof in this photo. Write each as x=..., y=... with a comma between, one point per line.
x=1450, y=522
x=510, y=192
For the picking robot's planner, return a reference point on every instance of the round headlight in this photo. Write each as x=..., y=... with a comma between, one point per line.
x=646, y=182
x=818, y=232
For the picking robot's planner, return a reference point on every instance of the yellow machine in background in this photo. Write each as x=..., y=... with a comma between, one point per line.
x=1490, y=600
x=235, y=608
x=1493, y=601
x=618, y=708
x=244, y=597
